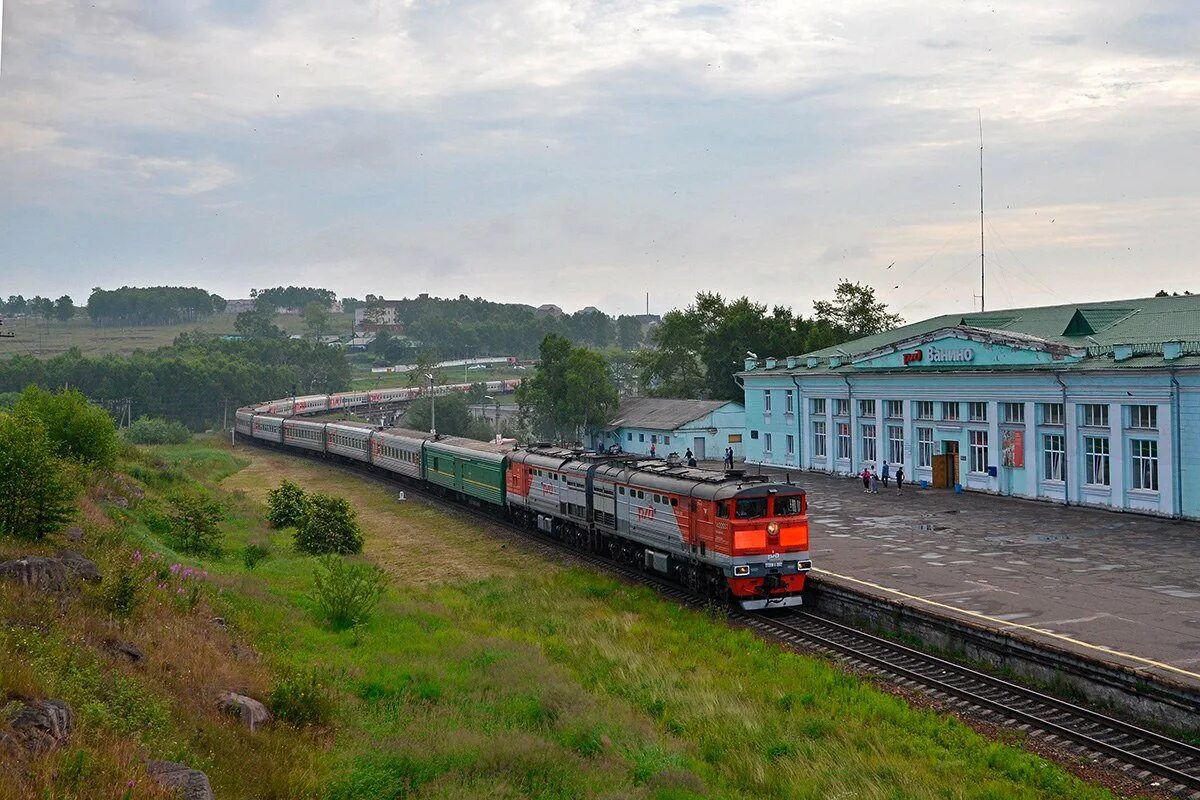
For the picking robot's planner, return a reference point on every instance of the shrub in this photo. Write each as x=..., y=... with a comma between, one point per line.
x=77, y=429
x=254, y=554
x=36, y=494
x=344, y=593
x=123, y=594
x=301, y=699
x=196, y=522
x=157, y=431
x=286, y=505
x=329, y=525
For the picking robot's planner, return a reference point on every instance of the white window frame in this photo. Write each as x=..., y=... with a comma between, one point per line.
x=791, y=446
x=819, y=439
x=1051, y=413
x=923, y=409
x=924, y=447
x=866, y=408
x=893, y=409
x=977, y=412
x=1014, y=413
x=977, y=442
x=766, y=442
x=1097, y=467
x=766, y=401
x=1095, y=415
x=841, y=407
x=816, y=406
x=1053, y=458
x=1143, y=454
x=843, y=441
x=1143, y=417
x=951, y=406
x=895, y=438
x=869, y=440
x=789, y=401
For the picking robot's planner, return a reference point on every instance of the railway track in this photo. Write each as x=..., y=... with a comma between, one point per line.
x=1151, y=757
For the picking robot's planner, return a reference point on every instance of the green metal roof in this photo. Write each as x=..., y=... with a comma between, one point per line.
x=1145, y=324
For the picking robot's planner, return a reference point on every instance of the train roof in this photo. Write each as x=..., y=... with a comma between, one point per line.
x=463, y=443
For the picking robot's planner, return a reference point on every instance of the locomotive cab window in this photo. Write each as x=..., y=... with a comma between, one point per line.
x=723, y=510
x=752, y=508
x=789, y=506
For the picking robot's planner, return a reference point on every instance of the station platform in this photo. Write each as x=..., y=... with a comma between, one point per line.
x=1120, y=588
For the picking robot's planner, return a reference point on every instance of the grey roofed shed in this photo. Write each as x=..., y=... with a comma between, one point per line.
x=661, y=413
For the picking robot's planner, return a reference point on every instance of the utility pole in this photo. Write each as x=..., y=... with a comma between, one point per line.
x=432, y=408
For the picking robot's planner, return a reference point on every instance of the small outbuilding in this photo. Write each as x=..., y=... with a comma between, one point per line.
x=706, y=427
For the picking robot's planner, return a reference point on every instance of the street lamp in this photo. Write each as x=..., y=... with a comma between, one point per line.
x=497, y=402
x=432, y=408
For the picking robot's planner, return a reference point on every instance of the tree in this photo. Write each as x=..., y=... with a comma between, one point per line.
x=571, y=392
x=856, y=309
x=16, y=304
x=258, y=323
x=41, y=306
x=64, y=308
x=286, y=505
x=316, y=319
x=329, y=525
x=36, y=496
x=154, y=305
x=453, y=417
x=629, y=332
x=76, y=429
x=196, y=522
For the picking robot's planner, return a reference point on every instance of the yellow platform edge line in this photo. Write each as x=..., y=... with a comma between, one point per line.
x=1005, y=624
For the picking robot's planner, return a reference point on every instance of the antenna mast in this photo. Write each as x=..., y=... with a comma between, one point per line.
x=982, y=270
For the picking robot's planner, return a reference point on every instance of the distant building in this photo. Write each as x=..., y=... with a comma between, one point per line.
x=590, y=310
x=549, y=310
x=1090, y=404
x=238, y=306
x=388, y=319
x=706, y=427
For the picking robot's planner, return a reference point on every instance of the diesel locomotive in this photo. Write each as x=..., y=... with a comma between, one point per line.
x=726, y=535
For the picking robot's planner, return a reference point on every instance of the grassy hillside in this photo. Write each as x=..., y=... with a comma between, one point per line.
x=41, y=338
x=486, y=672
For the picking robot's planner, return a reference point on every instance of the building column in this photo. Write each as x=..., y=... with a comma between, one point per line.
x=995, y=448
x=1117, y=467
x=881, y=453
x=906, y=426
x=830, y=438
x=855, y=445
x=1167, y=459
x=1033, y=449
x=803, y=447
x=1073, y=466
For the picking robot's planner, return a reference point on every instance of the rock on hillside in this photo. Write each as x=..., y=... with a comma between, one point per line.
x=39, y=726
x=193, y=783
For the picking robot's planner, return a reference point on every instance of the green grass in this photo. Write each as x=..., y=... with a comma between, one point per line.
x=489, y=672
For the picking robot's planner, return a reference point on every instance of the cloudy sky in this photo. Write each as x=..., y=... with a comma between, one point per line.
x=587, y=152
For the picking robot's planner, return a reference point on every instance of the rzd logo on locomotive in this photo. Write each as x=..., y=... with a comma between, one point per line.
x=645, y=512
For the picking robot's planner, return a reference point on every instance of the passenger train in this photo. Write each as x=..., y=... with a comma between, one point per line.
x=726, y=535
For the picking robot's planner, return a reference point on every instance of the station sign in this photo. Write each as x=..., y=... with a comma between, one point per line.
x=940, y=355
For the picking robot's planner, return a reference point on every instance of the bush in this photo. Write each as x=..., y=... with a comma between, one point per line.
x=36, y=493
x=253, y=555
x=329, y=525
x=157, y=431
x=301, y=699
x=77, y=429
x=124, y=594
x=345, y=593
x=196, y=523
x=286, y=505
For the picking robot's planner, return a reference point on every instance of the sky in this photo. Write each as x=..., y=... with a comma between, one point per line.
x=588, y=152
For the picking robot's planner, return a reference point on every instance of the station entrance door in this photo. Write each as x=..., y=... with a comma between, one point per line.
x=945, y=466
x=698, y=448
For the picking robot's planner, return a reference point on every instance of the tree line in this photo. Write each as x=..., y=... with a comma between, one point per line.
x=153, y=305
x=62, y=309
x=292, y=297
x=198, y=381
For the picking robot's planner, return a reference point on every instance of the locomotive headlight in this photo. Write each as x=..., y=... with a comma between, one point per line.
x=741, y=570
x=773, y=528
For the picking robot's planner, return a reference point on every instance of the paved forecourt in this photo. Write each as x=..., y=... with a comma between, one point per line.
x=1119, y=587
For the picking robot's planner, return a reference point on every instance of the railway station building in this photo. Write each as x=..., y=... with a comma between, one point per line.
x=1092, y=404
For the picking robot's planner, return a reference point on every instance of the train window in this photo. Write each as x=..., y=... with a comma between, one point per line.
x=641, y=495
x=674, y=502
x=657, y=499
x=723, y=510
x=789, y=506
x=752, y=508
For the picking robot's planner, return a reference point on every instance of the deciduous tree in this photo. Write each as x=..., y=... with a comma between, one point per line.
x=36, y=494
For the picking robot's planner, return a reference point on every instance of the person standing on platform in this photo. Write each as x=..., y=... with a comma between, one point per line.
x=866, y=476
x=899, y=479
x=652, y=449
x=874, y=482
x=886, y=474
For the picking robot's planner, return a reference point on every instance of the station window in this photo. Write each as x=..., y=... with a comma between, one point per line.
x=893, y=408
x=817, y=405
x=1095, y=454
x=766, y=442
x=866, y=408
x=1143, y=417
x=666, y=440
x=978, y=441
x=767, y=401
x=1095, y=415
x=841, y=407
x=923, y=409
x=789, y=401
x=1013, y=412
x=818, y=439
x=924, y=447
x=895, y=434
x=950, y=411
x=1051, y=413
x=1145, y=463
x=978, y=411
x=641, y=437
x=843, y=440
x=791, y=446
x=629, y=437
x=868, y=443
x=1052, y=457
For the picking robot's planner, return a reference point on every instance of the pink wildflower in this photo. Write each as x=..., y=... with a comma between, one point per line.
x=175, y=568
x=137, y=556
x=162, y=586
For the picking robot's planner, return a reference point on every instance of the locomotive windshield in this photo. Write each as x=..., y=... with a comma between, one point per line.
x=752, y=508
x=789, y=506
